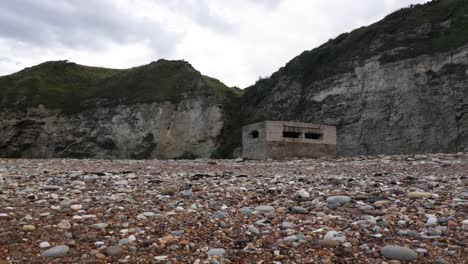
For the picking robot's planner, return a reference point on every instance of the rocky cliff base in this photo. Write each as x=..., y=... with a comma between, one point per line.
x=191, y=128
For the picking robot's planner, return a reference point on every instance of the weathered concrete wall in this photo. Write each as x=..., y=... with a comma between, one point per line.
x=254, y=148
x=288, y=150
x=276, y=128
x=272, y=144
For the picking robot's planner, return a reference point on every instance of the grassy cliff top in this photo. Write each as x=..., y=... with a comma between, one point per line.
x=68, y=86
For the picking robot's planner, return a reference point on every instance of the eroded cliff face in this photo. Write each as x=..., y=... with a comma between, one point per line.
x=188, y=129
x=398, y=86
x=410, y=106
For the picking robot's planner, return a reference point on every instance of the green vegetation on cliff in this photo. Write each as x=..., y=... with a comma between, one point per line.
x=230, y=98
x=72, y=87
x=58, y=84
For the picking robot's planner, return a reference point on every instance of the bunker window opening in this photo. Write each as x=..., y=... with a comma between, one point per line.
x=254, y=134
x=290, y=134
x=313, y=135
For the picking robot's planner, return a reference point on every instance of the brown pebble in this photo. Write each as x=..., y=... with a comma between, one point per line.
x=328, y=243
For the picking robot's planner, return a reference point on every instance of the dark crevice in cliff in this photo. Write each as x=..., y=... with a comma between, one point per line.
x=362, y=108
x=147, y=147
x=301, y=105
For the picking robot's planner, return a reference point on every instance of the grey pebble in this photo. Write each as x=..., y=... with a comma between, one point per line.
x=56, y=252
x=264, y=209
x=398, y=253
x=246, y=210
x=177, y=232
x=287, y=225
x=218, y=214
x=216, y=251
x=298, y=210
x=338, y=200
x=114, y=251
x=99, y=226
x=186, y=193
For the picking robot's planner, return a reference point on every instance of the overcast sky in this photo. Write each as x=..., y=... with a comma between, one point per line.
x=235, y=41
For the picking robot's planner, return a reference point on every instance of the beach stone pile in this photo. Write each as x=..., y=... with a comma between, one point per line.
x=385, y=209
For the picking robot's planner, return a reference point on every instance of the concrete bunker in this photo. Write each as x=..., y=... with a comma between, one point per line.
x=286, y=140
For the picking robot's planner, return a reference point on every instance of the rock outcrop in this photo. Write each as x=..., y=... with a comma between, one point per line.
x=191, y=128
x=152, y=121
x=397, y=86
x=410, y=106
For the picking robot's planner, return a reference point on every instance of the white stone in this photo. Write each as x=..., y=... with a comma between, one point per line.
x=431, y=221
x=98, y=243
x=216, y=251
x=264, y=208
x=44, y=244
x=340, y=200
x=76, y=206
x=333, y=235
x=303, y=194
x=99, y=226
x=465, y=225
x=160, y=258
x=122, y=182
x=88, y=216
x=64, y=224
x=78, y=183
x=149, y=214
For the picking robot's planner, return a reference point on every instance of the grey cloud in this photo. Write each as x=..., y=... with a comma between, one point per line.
x=5, y=59
x=268, y=3
x=77, y=24
x=201, y=13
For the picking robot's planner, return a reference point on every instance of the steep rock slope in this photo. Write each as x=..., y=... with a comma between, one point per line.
x=165, y=109
x=397, y=86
